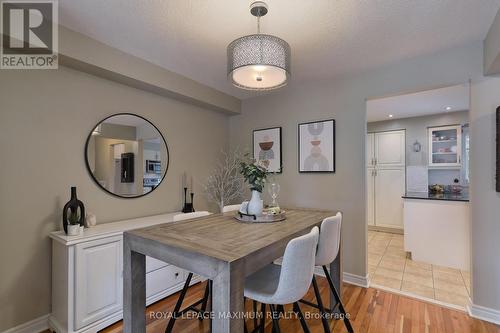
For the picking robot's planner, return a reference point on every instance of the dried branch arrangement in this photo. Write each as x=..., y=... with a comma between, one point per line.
x=225, y=184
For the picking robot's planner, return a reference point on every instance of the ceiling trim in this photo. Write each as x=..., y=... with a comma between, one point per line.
x=88, y=55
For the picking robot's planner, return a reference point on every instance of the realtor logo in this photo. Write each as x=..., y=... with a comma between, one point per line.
x=29, y=35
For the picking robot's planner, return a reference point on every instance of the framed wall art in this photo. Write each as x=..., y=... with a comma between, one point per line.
x=267, y=148
x=317, y=146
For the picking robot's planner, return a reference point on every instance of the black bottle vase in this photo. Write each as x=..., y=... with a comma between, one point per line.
x=73, y=205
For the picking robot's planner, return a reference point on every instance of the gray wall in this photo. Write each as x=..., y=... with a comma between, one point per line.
x=45, y=117
x=485, y=225
x=416, y=129
x=344, y=99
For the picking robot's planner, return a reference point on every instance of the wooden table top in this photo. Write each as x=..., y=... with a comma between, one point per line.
x=224, y=238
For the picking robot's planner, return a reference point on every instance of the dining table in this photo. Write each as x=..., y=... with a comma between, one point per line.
x=217, y=247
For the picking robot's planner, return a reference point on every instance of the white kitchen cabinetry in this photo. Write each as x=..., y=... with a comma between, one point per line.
x=370, y=150
x=370, y=200
x=385, y=178
x=87, y=289
x=390, y=149
x=445, y=146
x=389, y=189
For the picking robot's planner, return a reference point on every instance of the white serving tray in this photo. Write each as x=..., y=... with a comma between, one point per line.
x=264, y=218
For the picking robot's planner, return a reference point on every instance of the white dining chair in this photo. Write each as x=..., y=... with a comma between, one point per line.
x=328, y=250
x=275, y=285
x=231, y=208
x=188, y=216
x=203, y=301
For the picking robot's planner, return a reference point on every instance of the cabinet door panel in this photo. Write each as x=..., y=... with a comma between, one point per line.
x=370, y=150
x=445, y=146
x=389, y=189
x=98, y=280
x=390, y=149
x=370, y=196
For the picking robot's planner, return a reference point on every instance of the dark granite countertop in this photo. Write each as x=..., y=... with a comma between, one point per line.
x=464, y=196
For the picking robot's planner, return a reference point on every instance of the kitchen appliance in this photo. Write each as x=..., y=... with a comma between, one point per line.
x=150, y=184
x=153, y=166
x=127, y=168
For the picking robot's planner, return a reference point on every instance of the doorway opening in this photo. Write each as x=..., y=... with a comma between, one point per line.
x=417, y=179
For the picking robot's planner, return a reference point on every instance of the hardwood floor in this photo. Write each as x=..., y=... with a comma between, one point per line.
x=371, y=311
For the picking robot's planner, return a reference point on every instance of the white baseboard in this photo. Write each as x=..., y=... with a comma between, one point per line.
x=33, y=326
x=356, y=280
x=484, y=313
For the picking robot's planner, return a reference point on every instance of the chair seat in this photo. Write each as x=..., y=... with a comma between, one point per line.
x=261, y=286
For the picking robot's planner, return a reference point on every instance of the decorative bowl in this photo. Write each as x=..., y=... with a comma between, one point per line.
x=266, y=145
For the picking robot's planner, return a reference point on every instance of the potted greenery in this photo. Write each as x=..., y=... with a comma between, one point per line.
x=73, y=223
x=255, y=174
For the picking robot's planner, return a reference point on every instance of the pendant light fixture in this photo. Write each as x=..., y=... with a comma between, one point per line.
x=259, y=61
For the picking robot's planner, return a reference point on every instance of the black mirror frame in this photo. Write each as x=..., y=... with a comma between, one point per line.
x=88, y=164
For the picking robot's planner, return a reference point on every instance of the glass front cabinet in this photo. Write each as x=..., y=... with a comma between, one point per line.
x=445, y=146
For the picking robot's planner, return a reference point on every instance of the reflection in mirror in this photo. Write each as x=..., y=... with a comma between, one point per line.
x=127, y=155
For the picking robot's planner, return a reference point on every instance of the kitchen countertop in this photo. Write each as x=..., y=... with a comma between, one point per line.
x=464, y=196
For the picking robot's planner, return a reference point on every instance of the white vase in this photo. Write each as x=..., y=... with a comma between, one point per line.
x=255, y=205
x=90, y=220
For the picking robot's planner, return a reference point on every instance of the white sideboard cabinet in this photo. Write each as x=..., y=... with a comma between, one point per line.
x=87, y=274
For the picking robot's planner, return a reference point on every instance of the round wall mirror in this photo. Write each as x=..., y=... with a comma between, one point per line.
x=127, y=155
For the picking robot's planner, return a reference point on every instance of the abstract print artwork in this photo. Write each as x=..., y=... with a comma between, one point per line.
x=317, y=146
x=267, y=148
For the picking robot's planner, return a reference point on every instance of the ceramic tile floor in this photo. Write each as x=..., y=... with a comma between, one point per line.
x=390, y=267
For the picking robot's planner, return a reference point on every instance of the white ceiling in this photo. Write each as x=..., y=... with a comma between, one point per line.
x=126, y=120
x=328, y=38
x=435, y=101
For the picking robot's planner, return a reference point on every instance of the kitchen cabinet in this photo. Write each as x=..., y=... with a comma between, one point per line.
x=87, y=275
x=389, y=189
x=385, y=178
x=445, y=146
x=390, y=149
x=370, y=150
x=370, y=197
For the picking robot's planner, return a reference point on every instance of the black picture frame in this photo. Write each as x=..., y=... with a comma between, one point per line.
x=279, y=170
x=299, y=157
x=89, y=170
x=498, y=151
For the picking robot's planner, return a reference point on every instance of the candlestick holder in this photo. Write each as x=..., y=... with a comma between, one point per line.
x=188, y=206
